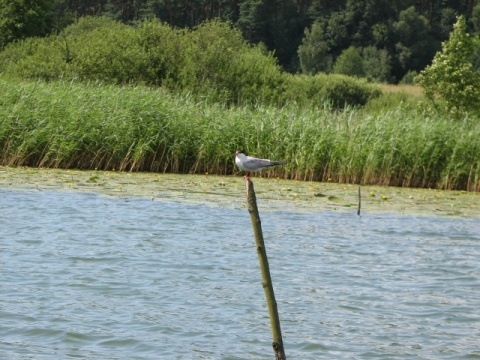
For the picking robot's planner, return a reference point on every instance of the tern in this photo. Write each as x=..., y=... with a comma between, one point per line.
x=251, y=164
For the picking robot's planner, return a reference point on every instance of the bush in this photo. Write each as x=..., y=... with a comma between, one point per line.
x=212, y=61
x=111, y=54
x=344, y=91
x=165, y=58
x=222, y=63
x=338, y=91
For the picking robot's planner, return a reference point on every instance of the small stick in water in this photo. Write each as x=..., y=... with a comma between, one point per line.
x=359, y=201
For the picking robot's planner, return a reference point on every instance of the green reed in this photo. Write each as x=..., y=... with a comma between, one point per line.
x=87, y=126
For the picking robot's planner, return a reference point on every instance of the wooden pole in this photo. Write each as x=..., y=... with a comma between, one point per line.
x=265, y=270
x=359, y=201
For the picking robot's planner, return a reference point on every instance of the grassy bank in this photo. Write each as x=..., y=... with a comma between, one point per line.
x=92, y=126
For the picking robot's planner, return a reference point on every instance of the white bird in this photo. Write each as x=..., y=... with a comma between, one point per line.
x=251, y=164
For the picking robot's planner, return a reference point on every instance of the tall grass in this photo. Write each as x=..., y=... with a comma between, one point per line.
x=88, y=126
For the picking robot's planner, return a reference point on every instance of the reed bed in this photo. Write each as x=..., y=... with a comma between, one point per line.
x=92, y=126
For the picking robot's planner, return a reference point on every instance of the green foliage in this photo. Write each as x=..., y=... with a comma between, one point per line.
x=377, y=64
x=475, y=19
x=164, y=58
x=275, y=23
x=349, y=63
x=87, y=24
x=336, y=32
x=393, y=101
x=279, y=24
x=222, y=63
x=414, y=47
x=212, y=61
x=409, y=78
x=111, y=53
x=88, y=126
x=451, y=75
x=448, y=17
x=337, y=91
x=46, y=62
x=313, y=53
x=23, y=18
x=344, y=91
x=476, y=55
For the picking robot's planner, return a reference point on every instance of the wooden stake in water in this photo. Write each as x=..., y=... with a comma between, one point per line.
x=265, y=270
x=359, y=201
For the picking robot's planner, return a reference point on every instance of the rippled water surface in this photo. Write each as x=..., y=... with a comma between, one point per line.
x=96, y=277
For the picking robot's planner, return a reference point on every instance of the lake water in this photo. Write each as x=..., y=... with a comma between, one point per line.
x=95, y=277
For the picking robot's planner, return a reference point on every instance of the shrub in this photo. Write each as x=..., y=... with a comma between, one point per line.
x=111, y=53
x=212, y=61
x=221, y=62
x=335, y=90
x=165, y=58
x=344, y=91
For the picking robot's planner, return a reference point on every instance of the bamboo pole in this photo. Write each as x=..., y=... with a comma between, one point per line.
x=265, y=270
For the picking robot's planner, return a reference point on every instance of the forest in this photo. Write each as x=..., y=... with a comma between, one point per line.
x=388, y=41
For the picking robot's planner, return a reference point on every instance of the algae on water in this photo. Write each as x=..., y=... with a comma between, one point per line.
x=228, y=191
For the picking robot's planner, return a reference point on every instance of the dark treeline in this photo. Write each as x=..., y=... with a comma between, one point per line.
x=387, y=41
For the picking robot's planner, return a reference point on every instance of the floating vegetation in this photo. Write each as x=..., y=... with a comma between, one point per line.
x=229, y=191
x=334, y=198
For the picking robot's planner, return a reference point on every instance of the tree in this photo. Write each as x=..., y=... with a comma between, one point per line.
x=475, y=19
x=23, y=18
x=349, y=63
x=414, y=45
x=451, y=74
x=275, y=23
x=448, y=17
x=336, y=33
x=313, y=53
x=377, y=64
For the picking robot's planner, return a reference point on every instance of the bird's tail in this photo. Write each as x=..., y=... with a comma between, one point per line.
x=280, y=162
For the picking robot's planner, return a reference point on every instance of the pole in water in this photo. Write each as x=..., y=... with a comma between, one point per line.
x=265, y=270
x=359, y=201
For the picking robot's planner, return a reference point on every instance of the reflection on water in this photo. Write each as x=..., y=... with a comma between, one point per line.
x=95, y=277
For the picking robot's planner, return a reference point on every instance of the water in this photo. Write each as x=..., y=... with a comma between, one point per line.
x=94, y=277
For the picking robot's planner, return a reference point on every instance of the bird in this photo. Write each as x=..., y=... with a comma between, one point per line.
x=252, y=164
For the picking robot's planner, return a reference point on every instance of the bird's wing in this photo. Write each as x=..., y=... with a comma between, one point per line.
x=254, y=164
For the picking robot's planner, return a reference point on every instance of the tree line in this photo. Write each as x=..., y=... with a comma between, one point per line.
x=385, y=41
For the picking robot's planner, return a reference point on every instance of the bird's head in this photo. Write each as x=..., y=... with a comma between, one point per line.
x=238, y=152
